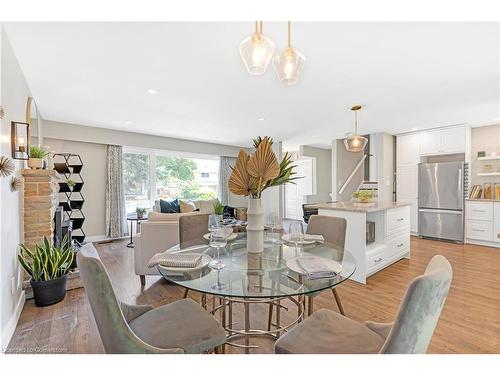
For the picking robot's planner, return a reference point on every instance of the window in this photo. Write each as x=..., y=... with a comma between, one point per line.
x=151, y=175
x=136, y=181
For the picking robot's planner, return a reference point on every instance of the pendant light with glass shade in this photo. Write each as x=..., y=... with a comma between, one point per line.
x=256, y=51
x=355, y=143
x=289, y=64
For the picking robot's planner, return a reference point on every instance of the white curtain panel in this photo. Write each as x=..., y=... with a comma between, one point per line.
x=116, y=217
x=226, y=162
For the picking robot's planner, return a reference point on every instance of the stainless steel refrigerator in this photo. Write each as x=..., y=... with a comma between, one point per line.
x=441, y=200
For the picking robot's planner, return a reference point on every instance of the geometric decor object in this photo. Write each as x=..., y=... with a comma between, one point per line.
x=6, y=166
x=256, y=51
x=15, y=183
x=70, y=191
x=289, y=64
x=355, y=143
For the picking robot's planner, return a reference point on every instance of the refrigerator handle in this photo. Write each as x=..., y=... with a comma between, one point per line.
x=460, y=189
x=434, y=211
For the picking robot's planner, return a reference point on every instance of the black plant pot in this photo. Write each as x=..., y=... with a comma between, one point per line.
x=49, y=292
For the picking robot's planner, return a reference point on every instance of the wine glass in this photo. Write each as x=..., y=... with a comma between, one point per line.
x=295, y=233
x=218, y=240
x=272, y=223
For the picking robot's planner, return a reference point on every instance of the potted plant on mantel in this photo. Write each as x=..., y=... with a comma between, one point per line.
x=252, y=175
x=36, y=156
x=48, y=266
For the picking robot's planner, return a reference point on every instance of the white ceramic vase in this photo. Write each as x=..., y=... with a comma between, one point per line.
x=255, y=226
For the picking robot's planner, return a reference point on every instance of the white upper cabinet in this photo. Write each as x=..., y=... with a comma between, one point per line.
x=430, y=142
x=443, y=141
x=408, y=149
x=453, y=140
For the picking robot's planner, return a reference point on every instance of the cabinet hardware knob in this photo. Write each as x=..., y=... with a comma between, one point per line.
x=400, y=245
x=378, y=260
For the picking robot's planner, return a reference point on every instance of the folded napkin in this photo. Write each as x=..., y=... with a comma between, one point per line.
x=175, y=260
x=314, y=237
x=314, y=268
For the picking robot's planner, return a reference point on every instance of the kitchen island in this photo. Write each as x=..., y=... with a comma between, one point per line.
x=392, y=233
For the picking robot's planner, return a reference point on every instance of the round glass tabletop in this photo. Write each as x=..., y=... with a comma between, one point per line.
x=250, y=275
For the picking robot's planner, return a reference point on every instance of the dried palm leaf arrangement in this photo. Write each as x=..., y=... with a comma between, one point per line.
x=15, y=183
x=253, y=174
x=6, y=166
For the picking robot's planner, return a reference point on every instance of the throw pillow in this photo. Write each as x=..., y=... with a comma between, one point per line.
x=170, y=207
x=229, y=211
x=186, y=206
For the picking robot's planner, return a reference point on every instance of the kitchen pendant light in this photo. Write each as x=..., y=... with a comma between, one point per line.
x=256, y=51
x=355, y=143
x=289, y=64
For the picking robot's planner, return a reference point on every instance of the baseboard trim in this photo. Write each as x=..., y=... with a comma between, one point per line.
x=100, y=237
x=9, y=330
x=482, y=243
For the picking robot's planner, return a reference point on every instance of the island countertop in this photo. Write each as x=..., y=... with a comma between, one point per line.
x=359, y=207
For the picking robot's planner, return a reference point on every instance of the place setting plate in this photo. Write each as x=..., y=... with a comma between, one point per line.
x=329, y=263
x=231, y=237
x=303, y=242
x=205, y=259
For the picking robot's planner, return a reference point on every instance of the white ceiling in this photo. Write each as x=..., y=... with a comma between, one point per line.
x=406, y=74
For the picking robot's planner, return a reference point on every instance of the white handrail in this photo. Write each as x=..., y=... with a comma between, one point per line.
x=360, y=163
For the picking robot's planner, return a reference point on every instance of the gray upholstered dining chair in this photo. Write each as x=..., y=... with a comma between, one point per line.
x=179, y=327
x=192, y=228
x=191, y=231
x=329, y=332
x=333, y=230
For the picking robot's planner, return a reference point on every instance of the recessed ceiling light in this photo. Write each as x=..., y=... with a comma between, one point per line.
x=152, y=91
x=414, y=128
x=261, y=118
x=127, y=122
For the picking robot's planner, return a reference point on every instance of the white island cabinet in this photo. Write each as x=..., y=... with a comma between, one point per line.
x=392, y=233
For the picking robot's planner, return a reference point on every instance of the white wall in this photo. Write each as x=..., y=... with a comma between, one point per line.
x=323, y=173
x=13, y=96
x=382, y=164
x=61, y=130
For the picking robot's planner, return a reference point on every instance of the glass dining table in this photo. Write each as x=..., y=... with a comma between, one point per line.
x=246, y=278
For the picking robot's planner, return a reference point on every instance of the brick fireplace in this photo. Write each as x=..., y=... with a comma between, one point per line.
x=40, y=202
x=41, y=189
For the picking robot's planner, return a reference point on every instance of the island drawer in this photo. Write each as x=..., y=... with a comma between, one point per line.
x=375, y=259
x=397, y=245
x=397, y=220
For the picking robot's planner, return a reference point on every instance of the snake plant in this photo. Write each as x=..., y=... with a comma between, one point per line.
x=46, y=262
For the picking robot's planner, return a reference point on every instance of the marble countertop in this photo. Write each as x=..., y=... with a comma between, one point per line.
x=360, y=207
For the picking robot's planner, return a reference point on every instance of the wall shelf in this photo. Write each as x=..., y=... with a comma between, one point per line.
x=489, y=158
x=484, y=174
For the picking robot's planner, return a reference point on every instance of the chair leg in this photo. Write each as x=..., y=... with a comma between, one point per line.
x=310, y=305
x=221, y=349
x=143, y=279
x=270, y=316
x=339, y=302
x=186, y=293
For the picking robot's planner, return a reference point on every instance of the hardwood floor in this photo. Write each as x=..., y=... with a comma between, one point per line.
x=469, y=323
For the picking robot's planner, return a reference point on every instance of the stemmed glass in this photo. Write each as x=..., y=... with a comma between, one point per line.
x=272, y=223
x=218, y=240
x=295, y=233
